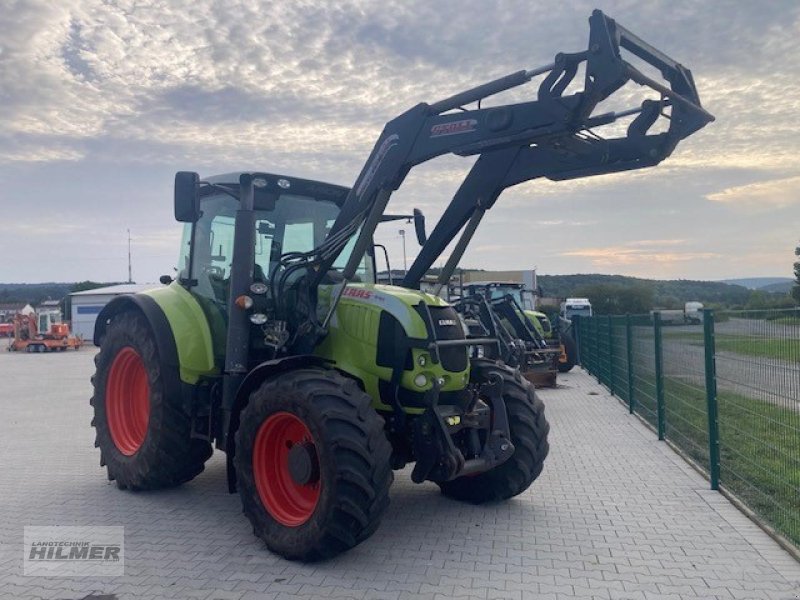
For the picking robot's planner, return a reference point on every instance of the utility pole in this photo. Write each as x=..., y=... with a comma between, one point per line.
x=130, y=276
x=405, y=265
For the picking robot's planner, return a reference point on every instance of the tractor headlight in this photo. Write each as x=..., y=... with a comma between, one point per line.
x=420, y=380
x=258, y=288
x=258, y=318
x=422, y=360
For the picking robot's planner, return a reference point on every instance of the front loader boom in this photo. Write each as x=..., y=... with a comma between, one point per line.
x=547, y=137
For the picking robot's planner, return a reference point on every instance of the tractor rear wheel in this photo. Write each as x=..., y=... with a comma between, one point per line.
x=529, y=429
x=142, y=431
x=312, y=463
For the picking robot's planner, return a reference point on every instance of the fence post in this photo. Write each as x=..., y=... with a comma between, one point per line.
x=659, y=360
x=597, y=368
x=629, y=357
x=711, y=398
x=611, y=354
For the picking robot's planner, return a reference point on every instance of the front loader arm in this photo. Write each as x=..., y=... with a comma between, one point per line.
x=581, y=153
x=545, y=137
x=493, y=172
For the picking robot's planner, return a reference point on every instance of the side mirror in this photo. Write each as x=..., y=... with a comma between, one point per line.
x=187, y=197
x=419, y=227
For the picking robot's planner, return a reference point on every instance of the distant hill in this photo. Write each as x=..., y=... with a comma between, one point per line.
x=34, y=293
x=767, y=284
x=666, y=293
x=783, y=287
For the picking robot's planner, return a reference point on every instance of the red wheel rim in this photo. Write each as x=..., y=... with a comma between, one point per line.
x=127, y=401
x=287, y=501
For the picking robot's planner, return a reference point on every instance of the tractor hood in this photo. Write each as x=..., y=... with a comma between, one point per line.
x=397, y=301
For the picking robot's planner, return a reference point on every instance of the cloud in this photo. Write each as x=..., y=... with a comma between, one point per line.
x=202, y=74
x=776, y=193
x=31, y=153
x=639, y=252
x=563, y=223
x=655, y=243
x=127, y=92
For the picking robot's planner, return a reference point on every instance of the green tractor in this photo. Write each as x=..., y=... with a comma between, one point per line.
x=560, y=338
x=274, y=344
x=504, y=310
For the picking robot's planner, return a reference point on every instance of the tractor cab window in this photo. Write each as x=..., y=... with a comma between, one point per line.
x=287, y=224
x=212, y=248
x=365, y=271
x=298, y=224
x=503, y=291
x=527, y=300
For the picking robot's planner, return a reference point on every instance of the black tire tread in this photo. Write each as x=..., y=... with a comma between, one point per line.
x=571, y=350
x=168, y=456
x=529, y=430
x=352, y=434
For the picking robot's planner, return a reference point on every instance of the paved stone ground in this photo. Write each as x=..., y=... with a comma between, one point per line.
x=615, y=515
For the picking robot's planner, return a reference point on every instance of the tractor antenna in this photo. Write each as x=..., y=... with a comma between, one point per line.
x=130, y=277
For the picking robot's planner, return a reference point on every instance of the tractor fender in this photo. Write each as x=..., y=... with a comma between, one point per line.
x=266, y=370
x=181, y=328
x=162, y=333
x=149, y=308
x=270, y=368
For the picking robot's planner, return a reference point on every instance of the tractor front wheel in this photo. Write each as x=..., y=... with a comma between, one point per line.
x=142, y=430
x=529, y=429
x=312, y=463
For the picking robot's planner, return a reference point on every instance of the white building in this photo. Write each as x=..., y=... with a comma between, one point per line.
x=9, y=309
x=88, y=304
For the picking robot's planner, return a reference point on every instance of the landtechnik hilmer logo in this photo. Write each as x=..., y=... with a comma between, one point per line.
x=60, y=551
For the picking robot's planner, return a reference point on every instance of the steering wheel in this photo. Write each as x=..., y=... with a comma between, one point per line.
x=214, y=271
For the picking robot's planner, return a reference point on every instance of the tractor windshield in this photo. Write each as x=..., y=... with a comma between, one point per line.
x=290, y=223
x=516, y=292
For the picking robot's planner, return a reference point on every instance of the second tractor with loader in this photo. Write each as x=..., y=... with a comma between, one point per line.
x=275, y=345
x=497, y=309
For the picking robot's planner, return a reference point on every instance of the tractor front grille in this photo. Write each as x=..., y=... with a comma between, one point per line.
x=447, y=326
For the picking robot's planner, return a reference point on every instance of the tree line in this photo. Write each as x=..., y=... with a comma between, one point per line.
x=618, y=294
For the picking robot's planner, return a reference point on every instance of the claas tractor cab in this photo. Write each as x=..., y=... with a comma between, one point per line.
x=275, y=345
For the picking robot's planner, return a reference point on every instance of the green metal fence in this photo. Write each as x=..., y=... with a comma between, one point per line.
x=721, y=386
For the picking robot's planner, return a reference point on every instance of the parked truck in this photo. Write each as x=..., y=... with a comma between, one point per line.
x=691, y=314
x=575, y=306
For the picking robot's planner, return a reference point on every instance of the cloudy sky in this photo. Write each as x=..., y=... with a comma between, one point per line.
x=101, y=102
